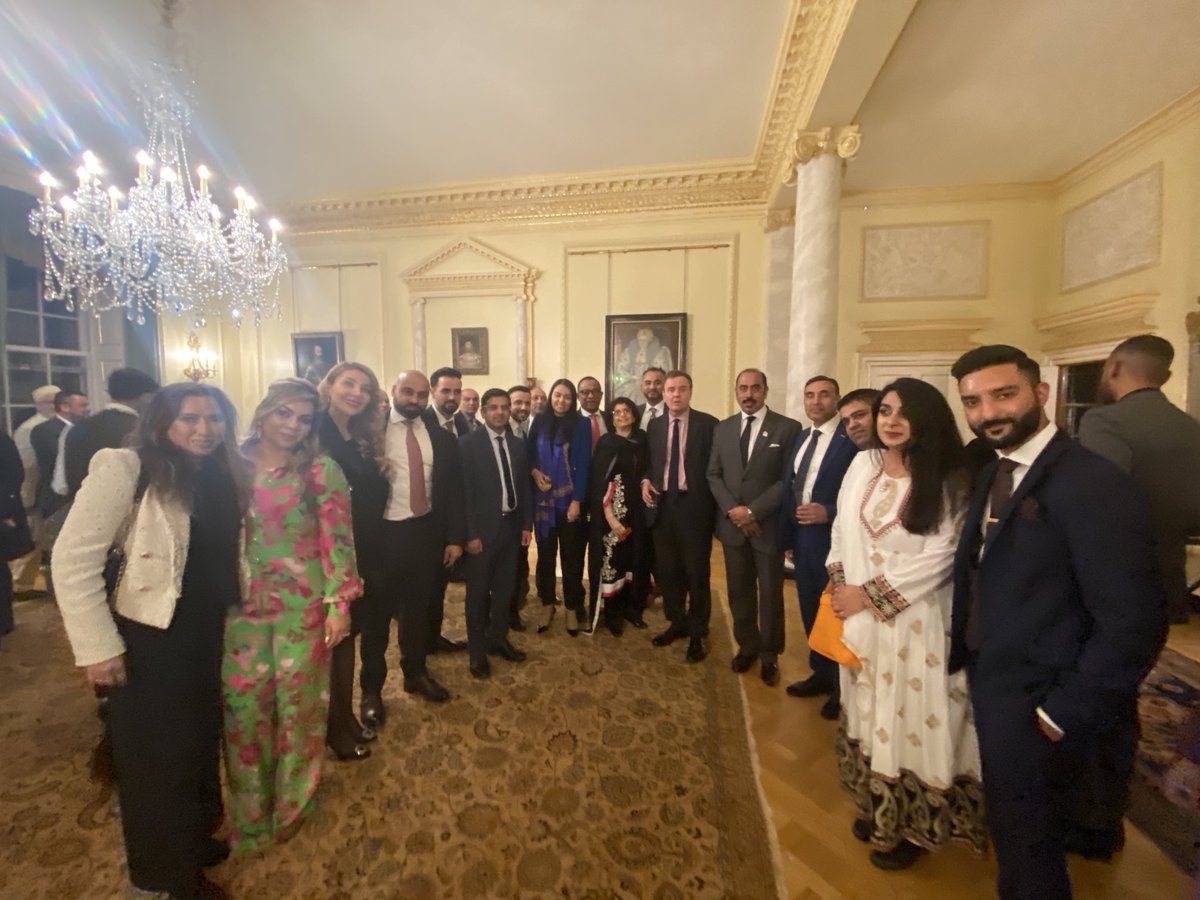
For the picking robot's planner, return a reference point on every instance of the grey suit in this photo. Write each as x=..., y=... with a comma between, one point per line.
x=1159, y=445
x=754, y=566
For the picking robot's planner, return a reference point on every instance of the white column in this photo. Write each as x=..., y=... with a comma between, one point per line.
x=522, y=341
x=419, y=334
x=778, y=319
x=812, y=330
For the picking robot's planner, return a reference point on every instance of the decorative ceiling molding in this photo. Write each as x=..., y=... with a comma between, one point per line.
x=1098, y=323
x=488, y=271
x=807, y=51
x=844, y=141
x=920, y=335
x=779, y=218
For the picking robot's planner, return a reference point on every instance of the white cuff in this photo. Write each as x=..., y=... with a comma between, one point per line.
x=1050, y=723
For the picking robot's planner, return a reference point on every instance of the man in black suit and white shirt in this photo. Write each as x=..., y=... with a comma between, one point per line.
x=499, y=500
x=70, y=408
x=424, y=528
x=129, y=390
x=469, y=407
x=652, y=389
x=1059, y=612
x=744, y=473
x=680, y=446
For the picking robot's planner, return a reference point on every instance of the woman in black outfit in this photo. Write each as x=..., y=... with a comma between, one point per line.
x=619, y=535
x=350, y=430
x=176, y=504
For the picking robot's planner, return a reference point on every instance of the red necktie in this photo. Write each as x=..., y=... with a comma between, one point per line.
x=595, y=429
x=417, y=499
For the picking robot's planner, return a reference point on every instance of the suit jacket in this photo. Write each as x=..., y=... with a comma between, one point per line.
x=701, y=427
x=483, y=489
x=1068, y=594
x=45, y=447
x=435, y=424
x=812, y=541
x=105, y=430
x=759, y=486
x=579, y=455
x=1158, y=444
x=449, y=512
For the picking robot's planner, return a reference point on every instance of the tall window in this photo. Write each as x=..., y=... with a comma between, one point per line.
x=43, y=343
x=1077, y=386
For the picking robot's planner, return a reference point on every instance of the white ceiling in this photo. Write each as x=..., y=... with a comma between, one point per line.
x=313, y=98
x=985, y=91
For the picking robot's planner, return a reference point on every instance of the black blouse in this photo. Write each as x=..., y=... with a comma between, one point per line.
x=369, y=489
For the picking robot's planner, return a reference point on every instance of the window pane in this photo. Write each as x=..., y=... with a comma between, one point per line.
x=61, y=334
x=26, y=373
x=20, y=414
x=69, y=372
x=22, y=284
x=22, y=329
x=59, y=308
x=1084, y=379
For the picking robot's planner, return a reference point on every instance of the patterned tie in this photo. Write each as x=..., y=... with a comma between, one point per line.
x=449, y=426
x=744, y=443
x=510, y=492
x=417, y=498
x=595, y=430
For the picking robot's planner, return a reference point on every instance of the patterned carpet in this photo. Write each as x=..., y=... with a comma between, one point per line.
x=600, y=767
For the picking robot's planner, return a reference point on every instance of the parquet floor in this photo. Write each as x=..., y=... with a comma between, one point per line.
x=812, y=815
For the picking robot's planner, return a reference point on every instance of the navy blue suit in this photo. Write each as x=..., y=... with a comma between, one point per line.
x=810, y=543
x=1070, y=613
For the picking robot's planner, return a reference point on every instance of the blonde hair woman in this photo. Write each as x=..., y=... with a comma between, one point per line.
x=303, y=577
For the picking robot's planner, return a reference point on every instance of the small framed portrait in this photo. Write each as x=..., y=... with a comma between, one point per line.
x=633, y=344
x=315, y=353
x=469, y=350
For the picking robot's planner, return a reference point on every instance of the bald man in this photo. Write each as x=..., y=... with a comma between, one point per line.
x=424, y=528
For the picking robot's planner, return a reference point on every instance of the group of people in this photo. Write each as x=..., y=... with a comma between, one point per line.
x=999, y=603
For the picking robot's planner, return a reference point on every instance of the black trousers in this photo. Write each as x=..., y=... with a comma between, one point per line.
x=6, y=599
x=754, y=579
x=166, y=743
x=407, y=574
x=811, y=579
x=342, y=727
x=568, y=541
x=489, y=597
x=521, y=591
x=682, y=551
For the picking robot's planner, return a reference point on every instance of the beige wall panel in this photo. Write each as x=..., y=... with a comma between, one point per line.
x=274, y=342
x=711, y=328
x=362, y=316
x=588, y=291
x=316, y=295
x=648, y=282
x=496, y=314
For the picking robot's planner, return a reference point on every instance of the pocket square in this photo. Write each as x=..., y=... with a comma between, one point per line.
x=772, y=446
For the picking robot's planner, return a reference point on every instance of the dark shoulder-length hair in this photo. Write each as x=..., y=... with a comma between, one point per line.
x=625, y=401
x=169, y=470
x=281, y=393
x=934, y=454
x=366, y=427
x=566, y=423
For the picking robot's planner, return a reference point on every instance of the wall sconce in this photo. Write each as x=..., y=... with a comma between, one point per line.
x=201, y=365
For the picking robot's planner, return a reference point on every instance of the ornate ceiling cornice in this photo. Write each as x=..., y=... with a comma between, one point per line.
x=816, y=27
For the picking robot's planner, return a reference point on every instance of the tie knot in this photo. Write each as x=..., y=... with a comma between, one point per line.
x=749, y=419
x=1007, y=465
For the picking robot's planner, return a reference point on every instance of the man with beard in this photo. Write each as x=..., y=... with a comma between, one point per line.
x=518, y=423
x=653, y=380
x=1058, y=614
x=424, y=528
x=857, y=412
x=1158, y=444
x=522, y=406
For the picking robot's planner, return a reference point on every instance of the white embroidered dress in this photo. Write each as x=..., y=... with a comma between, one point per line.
x=908, y=751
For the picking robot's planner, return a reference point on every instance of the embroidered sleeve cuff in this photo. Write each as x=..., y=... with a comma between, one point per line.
x=837, y=573
x=888, y=601
x=1049, y=722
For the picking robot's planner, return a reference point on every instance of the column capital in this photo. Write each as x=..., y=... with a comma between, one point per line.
x=842, y=141
x=776, y=219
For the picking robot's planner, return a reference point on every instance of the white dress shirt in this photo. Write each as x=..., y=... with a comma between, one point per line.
x=755, y=428
x=58, y=482
x=650, y=413
x=814, y=468
x=396, y=441
x=505, y=506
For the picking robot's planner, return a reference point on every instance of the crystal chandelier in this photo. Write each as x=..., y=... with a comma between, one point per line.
x=164, y=245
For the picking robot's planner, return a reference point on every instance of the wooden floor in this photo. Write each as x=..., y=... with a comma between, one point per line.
x=812, y=815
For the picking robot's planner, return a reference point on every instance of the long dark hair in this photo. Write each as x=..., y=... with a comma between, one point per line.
x=934, y=454
x=170, y=470
x=565, y=423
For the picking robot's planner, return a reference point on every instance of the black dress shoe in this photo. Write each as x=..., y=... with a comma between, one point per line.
x=809, y=687
x=427, y=688
x=903, y=856
x=614, y=626
x=861, y=829
x=357, y=754
x=637, y=621
x=365, y=734
x=696, y=650
x=831, y=709
x=742, y=663
x=516, y=625
x=372, y=711
x=770, y=674
x=668, y=637
x=199, y=889
x=507, y=651
x=443, y=644
x=213, y=853
x=481, y=668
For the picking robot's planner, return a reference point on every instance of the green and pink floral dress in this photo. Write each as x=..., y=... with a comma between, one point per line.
x=300, y=548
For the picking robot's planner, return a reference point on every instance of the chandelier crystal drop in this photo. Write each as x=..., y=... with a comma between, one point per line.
x=164, y=245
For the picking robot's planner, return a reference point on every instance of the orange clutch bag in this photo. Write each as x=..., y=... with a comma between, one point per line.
x=826, y=637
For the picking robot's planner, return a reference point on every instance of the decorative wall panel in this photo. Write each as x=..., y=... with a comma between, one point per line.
x=1115, y=233
x=923, y=261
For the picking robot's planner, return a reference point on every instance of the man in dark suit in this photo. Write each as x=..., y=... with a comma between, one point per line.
x=1158, y=444
x=857, y=412
x=469, y=407
x=443, y=413
x=499, y=500
x=680, y=446
x=743, y=473
x=652, y=389
x=70, y=407
x=1058, y=614
x=812, y=477
x=130, y=390
x=591, y=398
x=424, y=529
x=521, y=399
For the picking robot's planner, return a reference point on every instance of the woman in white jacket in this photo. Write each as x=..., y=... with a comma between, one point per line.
x=176, y=506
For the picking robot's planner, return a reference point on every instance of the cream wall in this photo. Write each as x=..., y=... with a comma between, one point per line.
x=710, y=266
